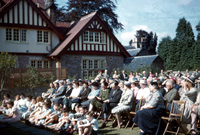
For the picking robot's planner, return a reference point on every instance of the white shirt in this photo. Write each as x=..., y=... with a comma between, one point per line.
x=143, y=93
x=22, y=103
x=76, y=92
x=94, y=122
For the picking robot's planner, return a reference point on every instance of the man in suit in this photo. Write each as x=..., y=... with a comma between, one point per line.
x=171, y=93
x=111, y=102
x=60, y=92
x=67, y=93
x=123, y=75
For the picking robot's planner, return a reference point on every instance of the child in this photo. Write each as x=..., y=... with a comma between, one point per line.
x=40, y=118
x=38, y=107
x=22, y=103
x=53, y=117
x=16, y=102
x=14, y=115
x=64, y=119
x=5, y=100
x=30, y=109
x=88, y=126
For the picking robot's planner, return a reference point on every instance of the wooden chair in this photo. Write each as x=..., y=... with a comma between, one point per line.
x=176, y=116
x=133, y=112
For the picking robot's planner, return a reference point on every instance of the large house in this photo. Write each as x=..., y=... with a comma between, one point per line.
x=28, y=29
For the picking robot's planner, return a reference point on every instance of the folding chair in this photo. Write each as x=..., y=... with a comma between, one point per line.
x=176, y=115
x=134, y=113
x=131, y=113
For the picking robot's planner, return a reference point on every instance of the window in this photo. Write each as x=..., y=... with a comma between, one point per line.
x=85, y=36
x=46, y=36
x=16, y=35
x=39, y=36
x=95, y=37
x=42, y=36
x=8, y=34
x=40, y=63
x=23, y=35
x=91, y=67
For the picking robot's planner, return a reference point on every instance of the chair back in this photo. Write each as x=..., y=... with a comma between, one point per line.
x=177, y=110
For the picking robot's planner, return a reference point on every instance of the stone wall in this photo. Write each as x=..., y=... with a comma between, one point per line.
x=73, y=63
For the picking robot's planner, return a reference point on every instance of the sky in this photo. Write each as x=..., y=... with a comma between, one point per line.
x=160, y=16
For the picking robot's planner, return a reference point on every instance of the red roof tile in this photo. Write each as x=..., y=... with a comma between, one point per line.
x=73, y=32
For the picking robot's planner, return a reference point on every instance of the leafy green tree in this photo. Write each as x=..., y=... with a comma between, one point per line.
x=7, y=64
x=76, y=9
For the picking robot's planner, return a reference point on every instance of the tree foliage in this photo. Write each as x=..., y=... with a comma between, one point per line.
x=181, y=52
x=75, y=9
x=7, y=63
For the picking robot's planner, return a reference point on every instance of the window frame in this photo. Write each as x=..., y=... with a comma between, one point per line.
x=42, y=40
x=12, y=36
x=91, y=37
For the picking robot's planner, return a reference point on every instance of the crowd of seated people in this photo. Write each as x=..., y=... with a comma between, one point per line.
x=69, y=106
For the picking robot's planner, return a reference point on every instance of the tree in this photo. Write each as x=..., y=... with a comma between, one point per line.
x=7, y=64
x=76, y=9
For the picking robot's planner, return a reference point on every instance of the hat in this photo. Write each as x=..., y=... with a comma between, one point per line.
x=134, y=80
x=56, y=81
x=68, y=80
x=74, y=80
x=143, y=82
x=127, y=83
x=69, y=83
x=80, y=80
x=188, y=79
x=61, y=81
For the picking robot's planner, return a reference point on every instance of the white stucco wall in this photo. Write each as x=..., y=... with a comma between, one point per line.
x=31, y=45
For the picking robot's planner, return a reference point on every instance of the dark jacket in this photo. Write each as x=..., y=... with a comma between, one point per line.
x=61, y=91
x=68, y=92
x=84, y=94
x=122, y=76
x=114, y=98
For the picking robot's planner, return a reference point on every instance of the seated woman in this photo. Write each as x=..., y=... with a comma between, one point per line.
x=148, y=117
x=49, y=91
x=94, y=92
x=125, y=103
x=98, y=101
x=22, y=103
x=189, y=96
x=88, y=126
x=56, y=86
x=14, y=115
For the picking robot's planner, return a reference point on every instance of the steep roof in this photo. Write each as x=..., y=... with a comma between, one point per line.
x=76, y=30
x=133, y=52
x=140, y=61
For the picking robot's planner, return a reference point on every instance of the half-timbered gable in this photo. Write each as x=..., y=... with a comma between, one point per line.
x=92, y=46
x=27, y=31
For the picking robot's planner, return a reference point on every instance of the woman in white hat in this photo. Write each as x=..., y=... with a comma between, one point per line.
x=125, y=103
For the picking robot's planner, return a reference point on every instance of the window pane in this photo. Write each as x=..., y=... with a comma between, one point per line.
x=46, y=64
x=46, y=36
x=85, y=36
x=102, y=37
x=85, y=74
x=97, y=36
x=23, y=35
x=16, y=34
x=39, y=64
x=8, y=34
x=96, y=72
x=39, y=36
x=90, y=73
x=84, y=64
x=102, y=65
x=91, y=36
x=91, y=64
x=33, y=63
x=96, y=64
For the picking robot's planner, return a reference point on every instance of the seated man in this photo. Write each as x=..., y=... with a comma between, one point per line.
x=171, y=93
x=60, y=92
x=49, y=91
x=111, y=102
